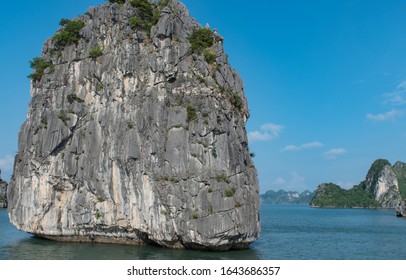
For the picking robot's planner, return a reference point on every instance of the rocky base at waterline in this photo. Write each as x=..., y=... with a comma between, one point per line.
x=3, y=193
x=401, y=209
x=136, y=134
x=383, y=188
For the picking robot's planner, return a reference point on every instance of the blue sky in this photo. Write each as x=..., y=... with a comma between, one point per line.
x=325, y=80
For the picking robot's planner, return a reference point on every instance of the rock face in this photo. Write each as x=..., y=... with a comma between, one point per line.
x=400, y=171
x=382, y=182
x=3, y=193
x=133, y=137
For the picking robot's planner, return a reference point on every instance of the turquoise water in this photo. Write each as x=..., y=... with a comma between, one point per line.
x=288, y=233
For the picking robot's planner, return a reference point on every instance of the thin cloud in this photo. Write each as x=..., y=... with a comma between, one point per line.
x=391, y=115
x=395, y=98
x=279, y=181
x=398, y=96
x=334, y=153
x=267, y=132
x=311, y=145
x=293, y=182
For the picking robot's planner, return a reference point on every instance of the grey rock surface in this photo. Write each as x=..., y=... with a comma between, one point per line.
x=382, y=182
x=124, y=159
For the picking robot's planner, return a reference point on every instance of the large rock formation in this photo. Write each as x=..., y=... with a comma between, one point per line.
x=400, y=170
x=3, y=193
x=134, y=135
x=380, y=189
x=382, y=182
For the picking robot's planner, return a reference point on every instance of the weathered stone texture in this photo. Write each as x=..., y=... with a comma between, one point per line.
x=383, y=184
x=124, y=162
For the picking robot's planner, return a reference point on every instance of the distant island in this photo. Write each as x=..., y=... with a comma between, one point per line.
x=384, y=187
x=286, y=197
x=3, y=193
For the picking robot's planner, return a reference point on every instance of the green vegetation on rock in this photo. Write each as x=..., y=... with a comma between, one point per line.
x=96, y=52
x=210, y=56
x=229, y=192
x=400, y=170
x=223, y=178
x=148, y=15
x=201, y=39
x=191, y=113
x=120, y=2
x=138, y=23
x=39, y=65
x=236, y=101
x=144, y=7
x=376, y=168
x=384, y=187
x=73, y=97
x=70, y=33
x=63, y=117
x=333, y=196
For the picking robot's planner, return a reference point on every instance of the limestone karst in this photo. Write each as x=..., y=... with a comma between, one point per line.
x=136, y=134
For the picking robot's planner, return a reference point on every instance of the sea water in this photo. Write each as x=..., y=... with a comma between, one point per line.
x=288, y=232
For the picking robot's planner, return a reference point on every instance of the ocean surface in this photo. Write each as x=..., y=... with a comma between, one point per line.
x=288, y=232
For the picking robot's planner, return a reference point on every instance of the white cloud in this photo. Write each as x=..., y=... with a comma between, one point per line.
x=296, y=182
x=290, y=148
x=259, y=136
x=314, y=144
x=333, y=153
x=311, y=145
x=293, y=182
x=395, y=98
x=398, y=96
x=267, y=132
x=296, y=178
x=279, y=181
x=385, y=116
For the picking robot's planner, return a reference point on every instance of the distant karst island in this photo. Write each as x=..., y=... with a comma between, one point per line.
x=384, y=187
x=286, y=197
x=3, y=193
x=136, y=134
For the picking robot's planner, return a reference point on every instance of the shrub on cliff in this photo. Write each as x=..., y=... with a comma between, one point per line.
x=210, y=56
x=191, y=113
x=148, y=15
x=39, y=65
x=144, y=7
x=96, y=52
x=201, y=39
x=236, y=101
x=120, y=2
x=70, y=33
x=138, y=23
